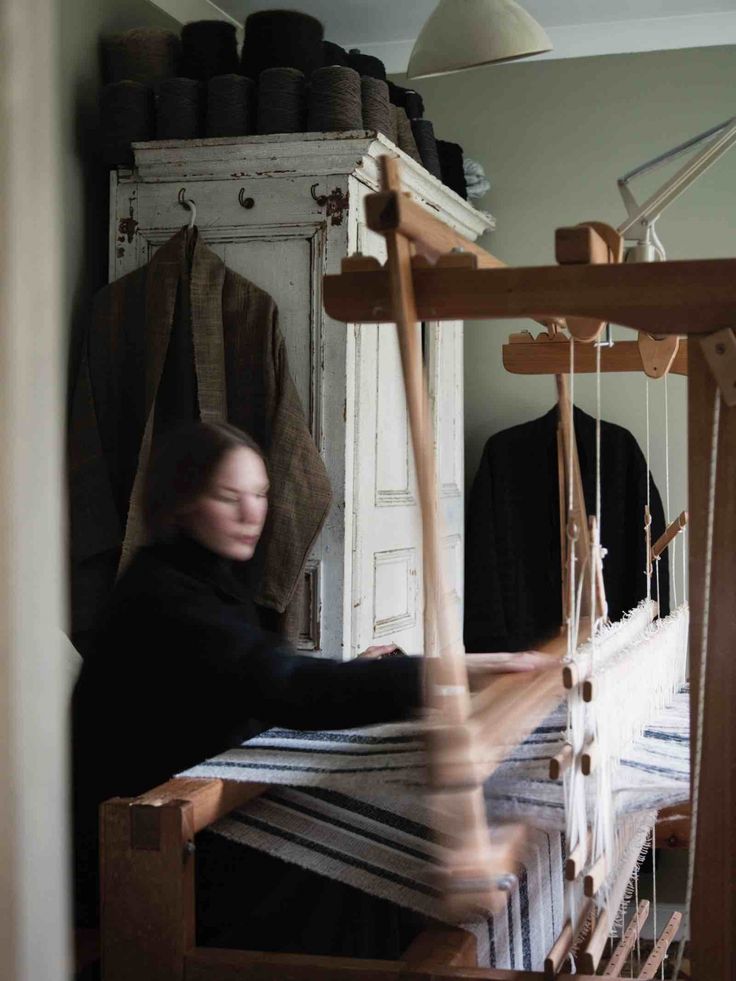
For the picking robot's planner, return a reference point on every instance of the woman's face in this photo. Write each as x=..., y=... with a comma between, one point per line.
x=228, y=518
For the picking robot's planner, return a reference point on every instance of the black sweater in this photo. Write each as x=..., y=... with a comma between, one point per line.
x=182, y=671
x=513, y=578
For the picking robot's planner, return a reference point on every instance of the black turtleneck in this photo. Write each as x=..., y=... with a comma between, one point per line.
x=182, y=671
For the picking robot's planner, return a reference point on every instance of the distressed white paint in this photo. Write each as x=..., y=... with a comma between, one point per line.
x=368, y=557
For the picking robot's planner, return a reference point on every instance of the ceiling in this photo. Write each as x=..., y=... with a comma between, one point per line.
x=388, y=28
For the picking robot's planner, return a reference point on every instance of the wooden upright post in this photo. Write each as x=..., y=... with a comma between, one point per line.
x=147, y=890
x=713, y=919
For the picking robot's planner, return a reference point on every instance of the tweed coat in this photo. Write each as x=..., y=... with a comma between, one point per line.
x=183, y=338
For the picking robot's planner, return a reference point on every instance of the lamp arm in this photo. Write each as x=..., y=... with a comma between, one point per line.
x=642, y=217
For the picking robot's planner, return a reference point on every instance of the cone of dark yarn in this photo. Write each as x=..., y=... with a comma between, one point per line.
x=335, y=101
x=394, y=134
x=230, y=106
x=282, y=101
x=406, y=141
x=281, y=39
x=408, y=99
x=126, y=116
x=427, y=145
x=376, y=107
x=145, y=54
x=366, y=64
x=208, y=48
x=179, y=109
x=451, y=162
x=333, y=54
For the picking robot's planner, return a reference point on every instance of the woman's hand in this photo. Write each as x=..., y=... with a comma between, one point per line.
x=502, y=663
x=380, y=650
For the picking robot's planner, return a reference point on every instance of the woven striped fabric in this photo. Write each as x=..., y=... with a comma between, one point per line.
x=349, y=805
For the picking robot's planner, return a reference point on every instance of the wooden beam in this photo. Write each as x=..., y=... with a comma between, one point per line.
x=210, y=799
x=552, y=357
x=212, y=964
x=685, y=297
x=713, y=918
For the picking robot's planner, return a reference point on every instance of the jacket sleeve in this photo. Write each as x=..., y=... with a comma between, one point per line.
x=249, y=673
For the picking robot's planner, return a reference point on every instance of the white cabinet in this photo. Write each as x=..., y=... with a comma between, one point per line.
x=283, y=211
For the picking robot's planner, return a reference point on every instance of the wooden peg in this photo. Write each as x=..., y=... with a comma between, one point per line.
x=560, y=762
x=568, y=940
x=672, y=531
x=570, y=676
x=719, y=350
x=588, y=690
x=577, y=858
x=595, y=877
x=589, y=758
x=589, y=959
x=661, y=947
x=625, y=944
x=657, y=353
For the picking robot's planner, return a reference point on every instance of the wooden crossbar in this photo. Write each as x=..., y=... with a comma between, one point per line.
x=658, y=297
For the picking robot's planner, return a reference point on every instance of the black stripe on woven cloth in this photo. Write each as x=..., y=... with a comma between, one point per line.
x=392, y=820
x=535, y=802
x=526, y=943
x=510, y=928
x=337, y=737
x=667, y=737
x=291, y=750
x=354, y=829
x=231, y=764
x=662, y=770
x=555, y=931
x=320, y=849
x=491, y=942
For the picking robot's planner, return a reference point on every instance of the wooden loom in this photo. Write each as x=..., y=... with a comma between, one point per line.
x=147, y=865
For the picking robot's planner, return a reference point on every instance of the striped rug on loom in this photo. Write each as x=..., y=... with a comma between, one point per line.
x=348, y=805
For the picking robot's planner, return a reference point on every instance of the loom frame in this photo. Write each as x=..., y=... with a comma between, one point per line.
x=147, y=866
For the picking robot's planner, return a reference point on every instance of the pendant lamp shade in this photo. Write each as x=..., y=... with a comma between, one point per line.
x=469, y=33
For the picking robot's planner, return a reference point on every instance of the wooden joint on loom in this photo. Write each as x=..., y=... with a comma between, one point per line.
x=590, y=243
x=671, y=532
x=719, y=350
x=658, y=954
x=550, y=355
x=626, y=943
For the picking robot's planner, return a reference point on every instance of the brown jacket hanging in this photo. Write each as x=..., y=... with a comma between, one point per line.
x=193, y=339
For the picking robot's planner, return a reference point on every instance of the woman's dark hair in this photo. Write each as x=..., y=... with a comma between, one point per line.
x=182, y=468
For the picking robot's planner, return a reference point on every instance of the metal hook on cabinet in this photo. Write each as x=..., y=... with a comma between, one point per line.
x=245, y=202
x=189, y=204
x=321, y=199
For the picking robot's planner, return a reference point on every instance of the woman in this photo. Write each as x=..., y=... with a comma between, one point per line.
x=182, y=669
